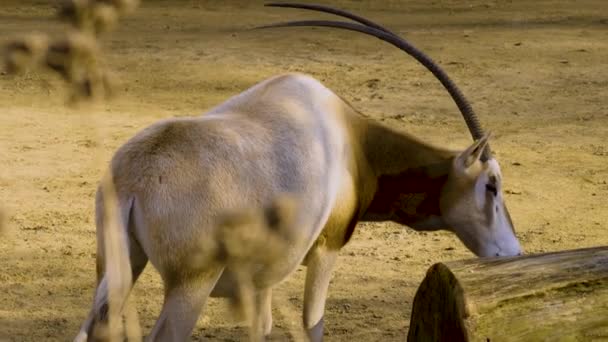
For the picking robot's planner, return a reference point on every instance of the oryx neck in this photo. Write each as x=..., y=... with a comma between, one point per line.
x=390, y=152
x=409, y=176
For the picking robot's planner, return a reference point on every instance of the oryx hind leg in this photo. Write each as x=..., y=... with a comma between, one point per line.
x=320, y=264
x=93, y=327
x=184, y=301
x=98, y=315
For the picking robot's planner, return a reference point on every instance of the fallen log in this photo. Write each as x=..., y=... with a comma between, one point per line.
x=561, y=296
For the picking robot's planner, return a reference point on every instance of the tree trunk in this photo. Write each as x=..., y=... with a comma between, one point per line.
x=560, y=296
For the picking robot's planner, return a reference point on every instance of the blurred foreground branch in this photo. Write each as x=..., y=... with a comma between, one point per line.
x=75, y=55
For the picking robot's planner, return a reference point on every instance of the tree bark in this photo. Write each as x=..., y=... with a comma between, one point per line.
x=561, y=296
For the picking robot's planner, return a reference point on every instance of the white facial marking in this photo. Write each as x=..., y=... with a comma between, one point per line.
x=494, y=168
x=503, y=234
x=480, y=191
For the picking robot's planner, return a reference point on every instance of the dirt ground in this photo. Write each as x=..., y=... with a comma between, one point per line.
x=535, y=71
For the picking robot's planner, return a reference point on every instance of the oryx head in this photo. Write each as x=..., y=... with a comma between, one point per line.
x=472, y=204
x=471, y=201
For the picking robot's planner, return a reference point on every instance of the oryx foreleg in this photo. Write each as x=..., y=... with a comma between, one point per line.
x=259, y=314
x=256, y=304
x=263, y=319
x=320, y=264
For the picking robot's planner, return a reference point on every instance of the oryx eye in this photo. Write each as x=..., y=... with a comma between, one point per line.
x=492, y=188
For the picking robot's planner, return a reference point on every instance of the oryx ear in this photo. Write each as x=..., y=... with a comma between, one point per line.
x=469, y=156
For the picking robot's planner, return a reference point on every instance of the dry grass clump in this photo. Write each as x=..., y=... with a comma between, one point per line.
x=95, y=16
x=74, y=55
x=246, y=241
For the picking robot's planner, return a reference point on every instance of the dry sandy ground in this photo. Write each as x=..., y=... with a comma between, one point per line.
x=536, y=72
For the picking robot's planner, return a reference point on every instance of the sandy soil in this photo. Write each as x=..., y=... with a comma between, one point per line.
x=536, y=72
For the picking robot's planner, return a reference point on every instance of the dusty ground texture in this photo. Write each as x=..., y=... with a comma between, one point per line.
x=536, y=72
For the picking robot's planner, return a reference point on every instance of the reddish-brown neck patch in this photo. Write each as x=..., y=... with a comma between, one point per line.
x=408, y=197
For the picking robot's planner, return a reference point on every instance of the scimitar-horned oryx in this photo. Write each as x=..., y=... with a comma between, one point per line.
x=289, y=134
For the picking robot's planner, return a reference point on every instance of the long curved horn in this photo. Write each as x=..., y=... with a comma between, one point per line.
x=385, y=35
x=330, y=10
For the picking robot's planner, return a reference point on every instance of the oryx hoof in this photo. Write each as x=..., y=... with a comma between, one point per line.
x=315, y=334
x=81, y=337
